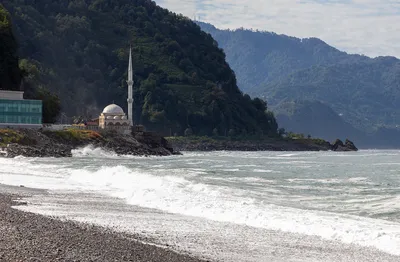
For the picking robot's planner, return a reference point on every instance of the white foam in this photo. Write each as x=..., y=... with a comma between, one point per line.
x=92, y=151
x=179, y=195
x=173, y=190
x=265, y=171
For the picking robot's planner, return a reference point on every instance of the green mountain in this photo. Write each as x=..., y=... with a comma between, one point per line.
x=182, y=81
x=282, y=69
x=366, y=94
x=261, y=57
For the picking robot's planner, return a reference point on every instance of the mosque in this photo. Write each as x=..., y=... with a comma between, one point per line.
x=113, y=116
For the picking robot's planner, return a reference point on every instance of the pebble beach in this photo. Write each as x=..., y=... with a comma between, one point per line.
x=30, y=237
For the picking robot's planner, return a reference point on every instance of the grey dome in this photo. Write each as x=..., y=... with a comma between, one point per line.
x=113, y=109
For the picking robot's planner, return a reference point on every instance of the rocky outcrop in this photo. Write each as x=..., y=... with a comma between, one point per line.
x=153, y=140
x=13, y=150
x=207, y=144
x=61, y=143
x=350, y=145
x=338, y=145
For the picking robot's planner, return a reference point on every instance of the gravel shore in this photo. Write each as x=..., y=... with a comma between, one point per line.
x=30, y=237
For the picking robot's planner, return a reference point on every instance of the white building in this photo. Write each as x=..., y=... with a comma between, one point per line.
x=113, y=116
x=15, y=111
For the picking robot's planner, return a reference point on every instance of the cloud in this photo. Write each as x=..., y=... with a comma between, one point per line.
x=369, y=27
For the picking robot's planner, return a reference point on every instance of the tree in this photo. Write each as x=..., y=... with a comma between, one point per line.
x=33, y=89
x=10, y=74
x=281, y=132
x=51, y=105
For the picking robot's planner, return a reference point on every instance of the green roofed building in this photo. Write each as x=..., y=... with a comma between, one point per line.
x=15, y=111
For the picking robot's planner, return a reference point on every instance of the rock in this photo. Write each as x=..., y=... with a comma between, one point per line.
x=49, y=144
x=338, y=145
x=350, y=145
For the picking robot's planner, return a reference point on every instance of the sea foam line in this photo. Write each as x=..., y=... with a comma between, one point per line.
x=176, y=194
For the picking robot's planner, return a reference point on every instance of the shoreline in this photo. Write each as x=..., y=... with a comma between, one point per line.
x=33, y=237
x=208, y=144
x=36, y=235
x=45, y=143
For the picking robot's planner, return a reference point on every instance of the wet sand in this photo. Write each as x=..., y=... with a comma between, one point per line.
x=29, y=237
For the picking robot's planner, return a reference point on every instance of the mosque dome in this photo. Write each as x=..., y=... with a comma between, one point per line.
x=123, y=118
x=117, y=118
x=113, y=109
x=109, y=117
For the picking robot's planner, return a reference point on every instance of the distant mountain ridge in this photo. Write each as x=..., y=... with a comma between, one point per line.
x=273, y=56
x=363, y=91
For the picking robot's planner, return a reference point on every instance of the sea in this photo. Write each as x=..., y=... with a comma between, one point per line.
x=228, y=206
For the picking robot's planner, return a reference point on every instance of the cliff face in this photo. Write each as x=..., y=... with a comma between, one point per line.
x=37, y=143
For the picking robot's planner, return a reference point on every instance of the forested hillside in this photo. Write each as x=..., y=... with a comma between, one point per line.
x=261, y=57
x=366, y=94
x=182, y=81
x=279, y=68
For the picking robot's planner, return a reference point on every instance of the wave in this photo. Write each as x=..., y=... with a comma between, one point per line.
x=177, y=194
x=92, y=151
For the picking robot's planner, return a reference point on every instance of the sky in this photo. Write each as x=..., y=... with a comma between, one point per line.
x=368, y=27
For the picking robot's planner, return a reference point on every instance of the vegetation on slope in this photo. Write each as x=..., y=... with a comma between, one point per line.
x=365, y=94
x=182, y=81
x=9, y=136
x=261, y=57
x=75, y=135
x=13, y=71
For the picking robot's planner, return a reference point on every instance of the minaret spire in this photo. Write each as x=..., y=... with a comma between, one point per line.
x=130, y=85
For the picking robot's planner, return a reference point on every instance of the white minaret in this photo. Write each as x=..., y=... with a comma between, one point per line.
x=130, y=85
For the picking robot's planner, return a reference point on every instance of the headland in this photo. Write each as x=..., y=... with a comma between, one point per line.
x=261, y=144
x=45, y=143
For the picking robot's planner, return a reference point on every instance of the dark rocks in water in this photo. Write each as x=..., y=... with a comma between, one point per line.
x=338, y=145
x=153, y=140
x=249, y=145
x=272, y=144
x=349, y=144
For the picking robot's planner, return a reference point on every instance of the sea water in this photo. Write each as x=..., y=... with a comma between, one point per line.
x=350, y=198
